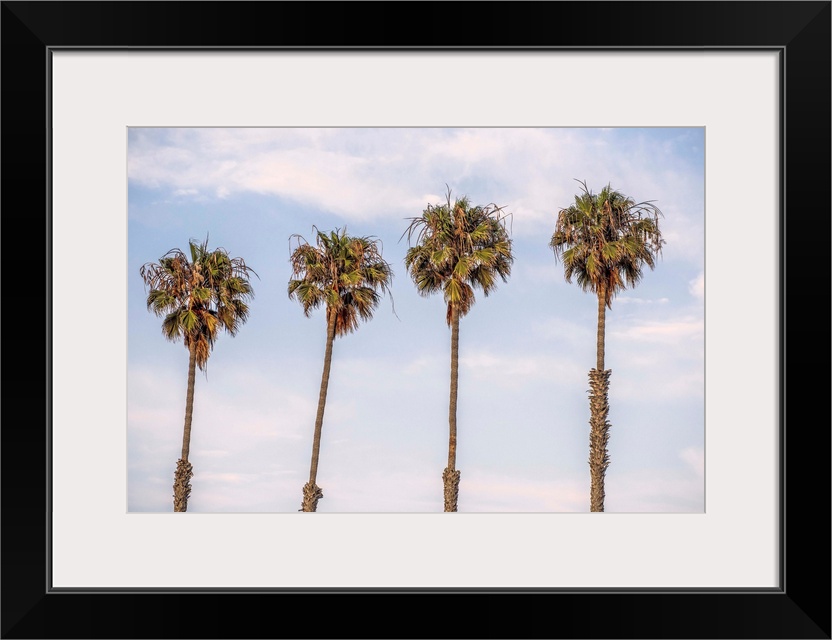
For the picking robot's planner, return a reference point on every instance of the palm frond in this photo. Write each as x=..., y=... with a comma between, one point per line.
x=604, y=240
x=345, y=273
x=200, y=296
x=457, y=247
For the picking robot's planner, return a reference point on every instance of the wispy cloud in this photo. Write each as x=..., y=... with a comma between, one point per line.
x=499, y=493
x=517, y=370
x=697, y=287
x=694, y=457
x=654, y=491
x=373, y=173
x=671, y=331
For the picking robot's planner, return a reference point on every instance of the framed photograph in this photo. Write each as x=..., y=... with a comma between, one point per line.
x=135, y=128
x=527, y=335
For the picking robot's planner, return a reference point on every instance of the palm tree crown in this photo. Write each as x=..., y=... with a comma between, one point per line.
x=605, y=239
x=345, y=274
x=198, y=297
x=459, y=247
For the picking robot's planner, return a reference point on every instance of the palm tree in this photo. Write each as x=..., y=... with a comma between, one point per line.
x=345, y=274
x=197, y=299
x=604, y=241
x=459, y=247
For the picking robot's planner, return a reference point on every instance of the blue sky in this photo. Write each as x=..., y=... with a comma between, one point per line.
x=524, y=351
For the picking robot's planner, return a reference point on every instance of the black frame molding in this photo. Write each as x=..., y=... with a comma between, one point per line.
x=798, y=30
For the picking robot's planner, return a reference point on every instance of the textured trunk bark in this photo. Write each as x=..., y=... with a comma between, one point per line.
x=599, y=410
x=599, y=435
x=450, y=476
x=182, y=485
x=311, y=491
x=184, y=469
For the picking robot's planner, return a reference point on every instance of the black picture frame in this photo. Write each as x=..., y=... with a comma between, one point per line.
x=799, y=31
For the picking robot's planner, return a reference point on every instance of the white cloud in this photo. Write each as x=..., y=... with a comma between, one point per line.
x=671, y=331
x=517, y=370
x=373, y=173
x=539, y=273
x=623, y=299
x=482, y=492
x=697, y=287
x=211, y=453
x=694, y=457
x=655, y=377
x=422, y=363
x=654, y=491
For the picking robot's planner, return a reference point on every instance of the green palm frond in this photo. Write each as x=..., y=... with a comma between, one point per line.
x=200, y=296
x=604, y=240
x=457, y=247
x=345, y=273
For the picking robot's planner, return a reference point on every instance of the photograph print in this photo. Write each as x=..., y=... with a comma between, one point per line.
x=416, y=320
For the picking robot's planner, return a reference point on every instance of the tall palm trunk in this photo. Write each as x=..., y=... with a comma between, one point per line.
x=599, y=382
x=450, y=476
x=602, y=322
x=184, y=469
x=311, y=491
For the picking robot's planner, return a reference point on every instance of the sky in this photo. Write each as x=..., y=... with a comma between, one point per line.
x=525, y=350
